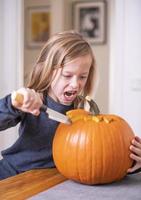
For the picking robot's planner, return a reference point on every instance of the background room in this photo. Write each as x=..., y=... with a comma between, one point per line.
x=116, y=43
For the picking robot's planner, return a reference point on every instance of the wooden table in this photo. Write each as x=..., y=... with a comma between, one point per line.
x=27, y=184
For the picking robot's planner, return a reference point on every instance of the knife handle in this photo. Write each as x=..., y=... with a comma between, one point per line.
x=19, y=98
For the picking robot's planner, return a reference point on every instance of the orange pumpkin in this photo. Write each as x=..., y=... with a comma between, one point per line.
x=93, y=149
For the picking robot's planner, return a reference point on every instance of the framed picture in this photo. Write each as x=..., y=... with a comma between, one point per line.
x=37, y=26
x=89, y=20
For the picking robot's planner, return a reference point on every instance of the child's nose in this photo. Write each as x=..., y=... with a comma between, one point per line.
x=74, y=83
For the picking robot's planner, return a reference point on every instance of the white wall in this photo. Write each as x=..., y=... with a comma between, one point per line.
x=125, y=60
x=132, y=89
x=11, y=57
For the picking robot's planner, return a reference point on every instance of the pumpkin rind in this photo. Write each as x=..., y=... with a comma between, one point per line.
x=93, y=149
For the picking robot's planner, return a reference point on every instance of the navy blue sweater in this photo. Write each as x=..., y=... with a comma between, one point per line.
x=33, y=148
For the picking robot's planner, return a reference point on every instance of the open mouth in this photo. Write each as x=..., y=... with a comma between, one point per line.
x=70, y=94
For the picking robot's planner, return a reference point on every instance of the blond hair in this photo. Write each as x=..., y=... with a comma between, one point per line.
x=60, y=49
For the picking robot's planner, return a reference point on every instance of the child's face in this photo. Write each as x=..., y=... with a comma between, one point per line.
x=70, y=80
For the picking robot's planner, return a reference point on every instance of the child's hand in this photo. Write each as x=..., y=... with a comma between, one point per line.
x=31, y=101
x=135, y=154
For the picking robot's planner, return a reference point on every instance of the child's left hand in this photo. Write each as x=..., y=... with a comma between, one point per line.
x=135, y=149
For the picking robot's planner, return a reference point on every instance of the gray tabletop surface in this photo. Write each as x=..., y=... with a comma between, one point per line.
x=128, y=188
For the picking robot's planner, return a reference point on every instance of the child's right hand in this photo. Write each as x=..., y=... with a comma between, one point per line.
x=32, y=101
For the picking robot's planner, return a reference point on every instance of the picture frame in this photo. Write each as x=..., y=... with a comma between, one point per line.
x=89, y=19
x=37, y=26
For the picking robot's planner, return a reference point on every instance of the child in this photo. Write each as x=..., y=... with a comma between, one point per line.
x=65, y=68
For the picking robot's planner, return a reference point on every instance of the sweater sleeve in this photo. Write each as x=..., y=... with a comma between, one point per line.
x=9, y=116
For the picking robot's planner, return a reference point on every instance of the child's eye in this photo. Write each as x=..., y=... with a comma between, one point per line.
x=83, y=77
x=66, y=76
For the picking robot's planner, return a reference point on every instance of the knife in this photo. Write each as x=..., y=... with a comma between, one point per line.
x=52, y=114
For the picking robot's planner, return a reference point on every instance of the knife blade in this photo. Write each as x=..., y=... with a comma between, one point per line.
x=52, y=114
